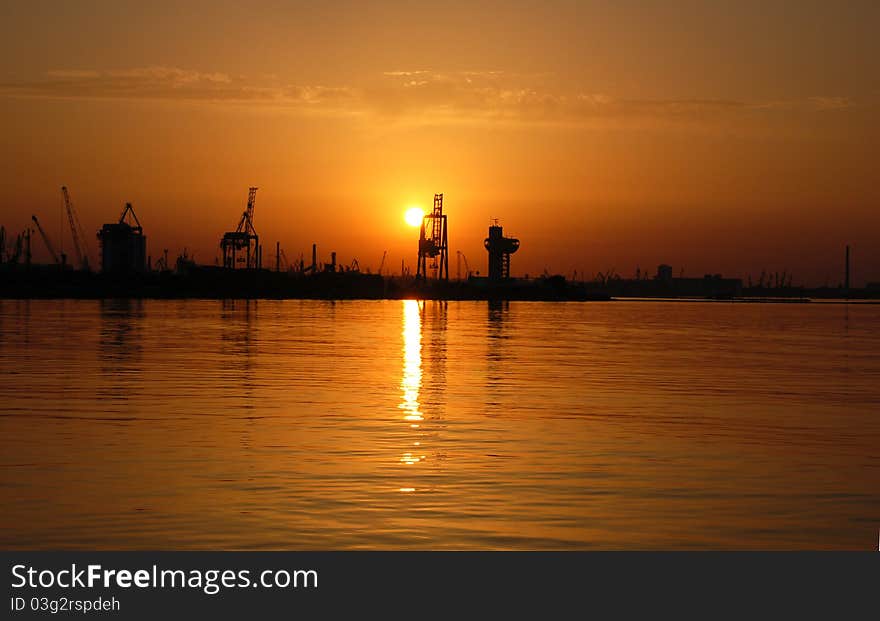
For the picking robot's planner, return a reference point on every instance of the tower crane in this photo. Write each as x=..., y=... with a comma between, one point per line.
x=76, y=232
x=48, y=243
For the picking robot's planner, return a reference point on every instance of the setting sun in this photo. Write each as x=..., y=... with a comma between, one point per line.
x=413, y=216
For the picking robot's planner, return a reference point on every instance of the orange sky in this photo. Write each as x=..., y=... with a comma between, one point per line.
x=714, y=136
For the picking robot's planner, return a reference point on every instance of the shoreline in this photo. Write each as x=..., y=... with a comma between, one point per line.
x=11, y=296
x=44, y=282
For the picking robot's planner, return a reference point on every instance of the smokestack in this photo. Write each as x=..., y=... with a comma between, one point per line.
x=314, y=257
x=846, y=277
x=333, y=260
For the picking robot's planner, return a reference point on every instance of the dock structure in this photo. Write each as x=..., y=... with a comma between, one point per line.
x=123, y=244
x=500, y=248
x=126, y=270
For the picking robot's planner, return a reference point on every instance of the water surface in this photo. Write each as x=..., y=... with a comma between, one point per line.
x=463, y=425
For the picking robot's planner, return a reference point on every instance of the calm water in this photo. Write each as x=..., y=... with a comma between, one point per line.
x=305, y=424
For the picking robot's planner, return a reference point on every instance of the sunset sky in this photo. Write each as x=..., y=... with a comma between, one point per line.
x=713, y=136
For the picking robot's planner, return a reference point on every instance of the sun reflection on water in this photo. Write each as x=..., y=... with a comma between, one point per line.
x=412, y=360
x=411, y=381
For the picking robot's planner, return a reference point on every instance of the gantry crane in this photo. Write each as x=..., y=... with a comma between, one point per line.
x=433, y=243
x=382, y=262
x=80, y=245
x=48, y=243
x=243, y=238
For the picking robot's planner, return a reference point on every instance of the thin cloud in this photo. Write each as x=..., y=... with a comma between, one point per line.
x=420, y=96
x=171, y=83
x=169, y=75
x=831, y=103
x=815, y=104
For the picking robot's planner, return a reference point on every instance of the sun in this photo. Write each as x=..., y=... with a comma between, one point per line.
x=413, y=216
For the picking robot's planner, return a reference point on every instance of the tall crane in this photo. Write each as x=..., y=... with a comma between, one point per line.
x=382, y=262
x=243, y=238
x=76, y=232
x=21, y=248
x=252, y=197
x=433, y=243
x=46, y=241
x=15, y=254
x=467, y=267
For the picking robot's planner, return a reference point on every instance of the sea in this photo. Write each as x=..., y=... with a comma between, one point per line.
x=406, y=424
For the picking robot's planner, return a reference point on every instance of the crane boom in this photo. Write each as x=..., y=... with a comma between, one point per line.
x=82, y=238
x=382, y=263
x=467, y=268
x=81, y=259
x=246, y=224
x=16, y=249
x=46, y=241
x=252, y=199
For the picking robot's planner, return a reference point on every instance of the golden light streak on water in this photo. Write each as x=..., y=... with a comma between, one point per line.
x=411, y=381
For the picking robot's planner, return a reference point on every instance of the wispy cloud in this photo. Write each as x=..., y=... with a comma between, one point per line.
x=515, y=97
x=417, y=95
x=167, y=75
x=173, y=83
x=831, y=103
